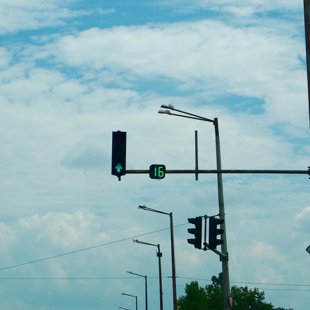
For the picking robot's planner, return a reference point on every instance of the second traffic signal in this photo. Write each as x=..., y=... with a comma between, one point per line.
x=214, y=232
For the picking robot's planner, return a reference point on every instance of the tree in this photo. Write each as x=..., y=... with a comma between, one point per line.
x=214, y=293
x=195, y=297
x=211, y=297
x=245, y=298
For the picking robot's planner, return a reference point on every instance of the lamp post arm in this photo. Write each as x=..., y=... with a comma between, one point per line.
x=142, y=242
x=152, y=210
x=188, y=115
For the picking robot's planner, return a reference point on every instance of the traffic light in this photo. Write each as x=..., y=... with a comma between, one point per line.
x=197, y=232
x=118, y=153
x=214, y=232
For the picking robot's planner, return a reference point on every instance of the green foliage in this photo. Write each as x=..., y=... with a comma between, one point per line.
x=211, y=297
x=214, y=293
x=245, y=298
x=195, y=297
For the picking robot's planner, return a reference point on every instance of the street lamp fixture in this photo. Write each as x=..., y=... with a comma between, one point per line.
x=159, y=255
x=181, y=113
x=123, y=308
x=145, y=283
x=170, y=214
x=164, y=111
x=224, y=256
x=134, y=296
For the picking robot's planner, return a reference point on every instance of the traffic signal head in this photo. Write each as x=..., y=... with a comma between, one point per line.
x=214, y=231
x=118, y=153
x=197, y=232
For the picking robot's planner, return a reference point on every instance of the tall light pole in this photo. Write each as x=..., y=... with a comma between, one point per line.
x=307, y=37
x=134, y=296
x=224, y=256
x=174, y=285
x=159, y=255
x=145, y=285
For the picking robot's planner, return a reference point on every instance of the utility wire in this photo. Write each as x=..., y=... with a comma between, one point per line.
x=248, y=283
x=150, y=277
x=289, y=287
x=75, y=278
x=123, y=278
x=86, y=249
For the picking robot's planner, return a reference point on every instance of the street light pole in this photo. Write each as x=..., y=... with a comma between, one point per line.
x=134, y=296
x=159, y=255
x=145, y=285
x=307, y=37
x=174, y=285
x=224, y=256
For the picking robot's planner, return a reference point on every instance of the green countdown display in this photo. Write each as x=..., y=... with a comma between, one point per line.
x=157, y=172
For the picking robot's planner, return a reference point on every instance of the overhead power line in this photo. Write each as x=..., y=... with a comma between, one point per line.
x=288, y=286
x=246, y=282
x=86, y=248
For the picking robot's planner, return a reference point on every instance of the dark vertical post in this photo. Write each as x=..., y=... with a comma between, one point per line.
x=196, y=155
x=174, y=284
x=307, y=36
x=146, y=301
x=159, y=255
x=226, y=283
x=136, y=302
x=205, y=234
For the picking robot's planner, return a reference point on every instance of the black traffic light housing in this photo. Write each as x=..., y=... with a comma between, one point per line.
x=214, y=231
x=197, y=232
x=118, y=167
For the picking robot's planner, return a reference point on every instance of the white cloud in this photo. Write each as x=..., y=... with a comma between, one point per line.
x=302, y=220
x=240, y=8
x=64, y=230
x=19, y=15
x=208, y=56
x=4, y=58
x=86, y=155
x=191, y=51
x=262, y=250
x=7, y=237
x=60, y=100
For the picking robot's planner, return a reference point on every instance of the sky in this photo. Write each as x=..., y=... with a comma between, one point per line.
x=73, y=71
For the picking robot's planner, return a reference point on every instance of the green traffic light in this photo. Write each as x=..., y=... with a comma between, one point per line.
x=118, y=168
